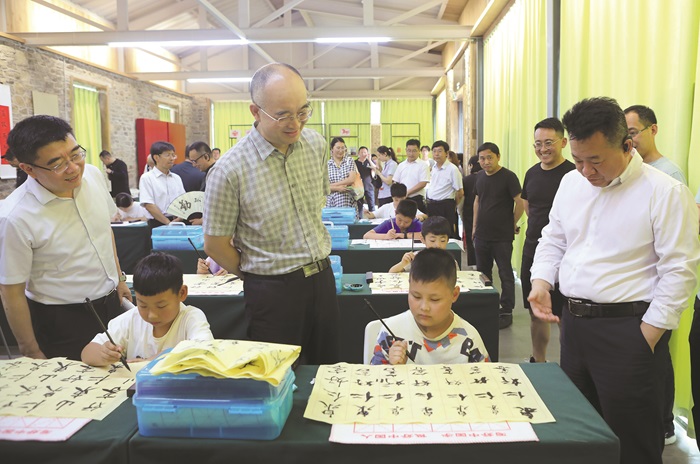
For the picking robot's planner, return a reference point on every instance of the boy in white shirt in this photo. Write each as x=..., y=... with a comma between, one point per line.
x=129, y=210
x=387, y=211
x=430, y=332
x=435, y=233
x=160, y=320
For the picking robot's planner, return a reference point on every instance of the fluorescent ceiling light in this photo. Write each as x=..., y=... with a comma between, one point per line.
x=221, y=80
x=353, y=39
x=179, y=43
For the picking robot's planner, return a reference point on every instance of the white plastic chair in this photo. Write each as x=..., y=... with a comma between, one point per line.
x=372, y=330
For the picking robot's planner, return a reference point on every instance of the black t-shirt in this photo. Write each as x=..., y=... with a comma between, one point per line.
x=468, y=183
x=496, y=193
x=364, y=168
x=539, y=188
x=119, y=177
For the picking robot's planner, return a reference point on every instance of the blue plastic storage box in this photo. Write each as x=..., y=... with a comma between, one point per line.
x=340, y=237
x=191, y=405
x=339, y=216
x=174, y=237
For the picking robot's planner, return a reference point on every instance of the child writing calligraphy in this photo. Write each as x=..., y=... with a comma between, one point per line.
x=161, y=320
x=435, y=233
x=404, y=225
x=432, y=333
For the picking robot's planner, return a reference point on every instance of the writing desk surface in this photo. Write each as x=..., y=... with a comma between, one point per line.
x=579, y=436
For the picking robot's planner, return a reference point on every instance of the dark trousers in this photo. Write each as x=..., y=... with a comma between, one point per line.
x=694, y=339
x=419, y=202
x=64, y=330
x=295, y=310
x=501, y=251
x=467, y=223
x=384, y=201
x=611, y=363
x=525, y=276
x=446, y=209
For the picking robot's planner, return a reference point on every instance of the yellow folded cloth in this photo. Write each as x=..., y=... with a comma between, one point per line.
x=230, y=359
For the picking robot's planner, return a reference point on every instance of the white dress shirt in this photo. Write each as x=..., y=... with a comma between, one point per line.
x=445, y=181
x=61, y=247
x=159, y=189
x=411, y=173
x=633, y=240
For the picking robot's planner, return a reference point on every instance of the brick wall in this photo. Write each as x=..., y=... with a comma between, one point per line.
x=26, y=69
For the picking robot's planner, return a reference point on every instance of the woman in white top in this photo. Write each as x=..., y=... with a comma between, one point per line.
x=388, y=159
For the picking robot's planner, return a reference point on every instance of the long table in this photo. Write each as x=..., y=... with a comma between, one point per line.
x=99, y=442
x=579, y=436
x=227, y=318
x=226, y=315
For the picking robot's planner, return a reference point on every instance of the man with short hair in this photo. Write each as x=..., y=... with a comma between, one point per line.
x=365, y=170
x=497, y=210
x=425, y=151
x=622, y=242
x=267, y=193
x=117, y=173
x=414, y=173
x=203, y=159
x=642, y=129
x=160, y=186
x=445, y=189
x=56, y=244
x=216, y=153
x=191, y=176
x=539, y=187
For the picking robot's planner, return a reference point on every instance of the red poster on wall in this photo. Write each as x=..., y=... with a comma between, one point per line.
x=4, y=129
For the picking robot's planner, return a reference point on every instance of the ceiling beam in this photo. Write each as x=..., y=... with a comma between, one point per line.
x=277, y=13
x=356, y=65
x=395, y=84
x=441, y=13
x=345, y=10
x=411, y=55
x=158, y=16
x=123, y=15
x=316, y=73
x=259, y=35
x=326, y=94
x=78, y=13
x=233, y=28
x=414, y=12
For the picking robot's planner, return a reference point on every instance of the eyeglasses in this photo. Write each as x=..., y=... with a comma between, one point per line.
x=546, y=145
x=61, y=167
x=200, y=157
x=302, y=116
x=634, y=132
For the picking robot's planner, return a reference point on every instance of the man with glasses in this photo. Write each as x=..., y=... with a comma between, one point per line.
x=622, y=243
x=267, y=192
x=414, y=173
x=56, y=244
x=642, y=129
x=191, y=176
x=539, y=188
x=160, y=186
x=203, y=159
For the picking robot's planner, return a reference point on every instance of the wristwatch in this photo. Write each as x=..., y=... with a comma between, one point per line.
x=122, y=277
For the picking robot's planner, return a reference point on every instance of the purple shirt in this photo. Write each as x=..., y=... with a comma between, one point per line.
x=389, y=224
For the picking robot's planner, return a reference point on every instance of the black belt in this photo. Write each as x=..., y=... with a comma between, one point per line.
x=428, y=200
x=588, y=308
x=307, y=270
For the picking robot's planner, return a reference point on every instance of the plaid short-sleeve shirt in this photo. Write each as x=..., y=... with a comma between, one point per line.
x=271, y=202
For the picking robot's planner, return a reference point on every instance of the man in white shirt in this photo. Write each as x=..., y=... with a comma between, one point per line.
x=622, y=242
x=445, y=189
x=642, y=129
x=56, y=244
x=159, y=187
x=414, y=173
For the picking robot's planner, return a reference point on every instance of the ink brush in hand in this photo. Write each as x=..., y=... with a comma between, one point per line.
x=88, y=303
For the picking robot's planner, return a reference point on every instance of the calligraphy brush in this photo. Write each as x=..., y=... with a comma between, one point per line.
x=369, y=305
x=202, y=257
x=88, y=303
